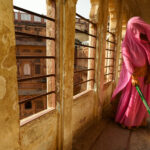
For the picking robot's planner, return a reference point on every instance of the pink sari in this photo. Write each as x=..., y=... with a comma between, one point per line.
x=136, y=53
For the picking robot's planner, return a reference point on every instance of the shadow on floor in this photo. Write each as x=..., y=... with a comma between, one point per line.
x=107, y=135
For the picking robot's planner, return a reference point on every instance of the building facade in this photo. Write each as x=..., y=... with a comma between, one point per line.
x=27, y=68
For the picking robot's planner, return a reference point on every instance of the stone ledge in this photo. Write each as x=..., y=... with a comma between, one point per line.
x=35, y=116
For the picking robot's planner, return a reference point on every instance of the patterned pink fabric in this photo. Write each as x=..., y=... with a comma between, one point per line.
x=136, y=53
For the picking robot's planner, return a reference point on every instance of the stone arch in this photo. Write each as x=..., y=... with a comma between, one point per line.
x=124, y=24
x=94, y=10
x=112, y=13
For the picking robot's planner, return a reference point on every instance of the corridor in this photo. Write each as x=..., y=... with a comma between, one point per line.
x=108, y=135
x=58, y=70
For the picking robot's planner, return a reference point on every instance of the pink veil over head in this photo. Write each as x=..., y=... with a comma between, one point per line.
x=135, y=51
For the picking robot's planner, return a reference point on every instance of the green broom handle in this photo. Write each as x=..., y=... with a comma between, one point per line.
x=143, y=99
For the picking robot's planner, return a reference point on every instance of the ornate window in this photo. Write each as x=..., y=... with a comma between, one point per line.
x=26, y=69
x=37, y=19
x=25, y=17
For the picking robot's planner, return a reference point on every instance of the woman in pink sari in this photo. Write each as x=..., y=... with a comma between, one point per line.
x=135, y=70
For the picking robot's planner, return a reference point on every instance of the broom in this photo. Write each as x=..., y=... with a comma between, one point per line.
x=143, y=99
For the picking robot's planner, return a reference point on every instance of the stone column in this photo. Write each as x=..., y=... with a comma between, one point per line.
x=118, y=39
x=92, y=42
x=112, y=46
x=124, y=22
x=100, y=55
x=50, y=51
x=65, y=37
x=9, y=108
x=91, y=53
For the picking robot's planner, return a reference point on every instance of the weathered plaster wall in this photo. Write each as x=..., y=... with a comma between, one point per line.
x=118, y=33
x=100, y=56
x=106, y=109
x=83, y=112
x=66, y=41
x=40, y=134
x=55, y=129
x=9, y=112
x=120, y=8
x=107, y=92
x=72, y=115
x=130, y=6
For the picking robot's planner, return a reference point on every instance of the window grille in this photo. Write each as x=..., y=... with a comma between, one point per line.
x=110, y=53
x=34, y=87
x=25, y=17
x=84, y=60
x=37, y=19
x=120, y=63
x=16, y=16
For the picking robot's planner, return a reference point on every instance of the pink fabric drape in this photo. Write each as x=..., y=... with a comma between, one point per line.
x=136, y=53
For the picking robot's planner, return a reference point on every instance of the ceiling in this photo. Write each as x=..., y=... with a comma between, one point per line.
x=144, y=6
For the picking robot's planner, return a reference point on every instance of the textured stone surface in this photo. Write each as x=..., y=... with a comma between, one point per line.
x=88, y=138
x=112, y=138
x=107, y=135
x=9, y=112
x=82, y=112
x=140, y=139
x=2, y=87
x=40, y=134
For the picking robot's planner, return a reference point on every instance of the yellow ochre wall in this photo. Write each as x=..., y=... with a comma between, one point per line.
x=9, y=110
x=55, y=129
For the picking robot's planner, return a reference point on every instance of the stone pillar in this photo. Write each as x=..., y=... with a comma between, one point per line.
x=100, y=55
x=50, y=51
x=112, y=46
x=9, y=108
x=118, y=39
x=124, y=22
x=124, y=25
x=91, y=53
x=65, y=18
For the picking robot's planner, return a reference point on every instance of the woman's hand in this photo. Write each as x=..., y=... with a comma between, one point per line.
x=134, y=81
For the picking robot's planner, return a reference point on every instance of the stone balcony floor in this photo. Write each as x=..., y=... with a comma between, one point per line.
x=107, y=135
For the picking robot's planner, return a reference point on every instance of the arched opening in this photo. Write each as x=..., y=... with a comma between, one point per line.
x=85, y=46
x=124, y=24
x=110, y=53
x=35, y=44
